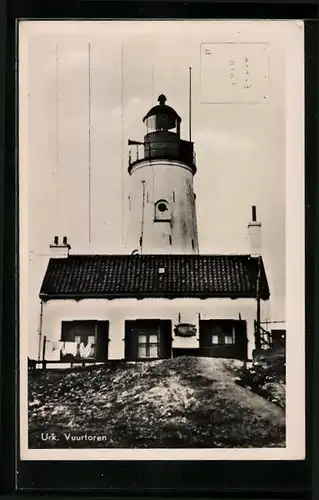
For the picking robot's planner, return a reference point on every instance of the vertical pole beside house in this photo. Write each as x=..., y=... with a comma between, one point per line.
x=257, y=332
x=43, y=352
x=96, y=356
x=40, y=329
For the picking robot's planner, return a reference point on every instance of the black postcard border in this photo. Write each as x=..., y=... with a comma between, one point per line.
x=234, y=479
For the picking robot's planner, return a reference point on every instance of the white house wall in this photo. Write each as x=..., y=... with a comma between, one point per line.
x=120, y=310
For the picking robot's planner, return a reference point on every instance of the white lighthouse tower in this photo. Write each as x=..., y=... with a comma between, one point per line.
x=161, y=203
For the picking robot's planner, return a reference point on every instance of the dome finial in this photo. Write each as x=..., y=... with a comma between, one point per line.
x=162, y=99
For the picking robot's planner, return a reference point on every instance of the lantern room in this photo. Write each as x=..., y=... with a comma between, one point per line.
x=162, y=140
x=162, y=118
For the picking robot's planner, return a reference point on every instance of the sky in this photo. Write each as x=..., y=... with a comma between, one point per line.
x=238, y=132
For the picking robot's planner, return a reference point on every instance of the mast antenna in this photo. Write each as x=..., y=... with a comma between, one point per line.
x=190, y=105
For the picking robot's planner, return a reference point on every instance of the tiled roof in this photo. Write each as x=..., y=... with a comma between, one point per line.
x=141, y=276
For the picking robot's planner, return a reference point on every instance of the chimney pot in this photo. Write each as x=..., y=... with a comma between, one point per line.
x=60, y=247
x=254, y=232
x=254, y=213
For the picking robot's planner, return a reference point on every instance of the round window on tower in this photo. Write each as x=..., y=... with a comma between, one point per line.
x=162, y=207
x=162, y=211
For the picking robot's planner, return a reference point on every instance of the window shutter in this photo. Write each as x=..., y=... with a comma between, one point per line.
x=241, y=338
x=205, y=334
x=67, y=331
x=165, y=339
x=102, y=340
x=130, y=341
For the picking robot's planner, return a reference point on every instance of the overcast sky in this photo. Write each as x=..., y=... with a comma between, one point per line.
x=240, y=145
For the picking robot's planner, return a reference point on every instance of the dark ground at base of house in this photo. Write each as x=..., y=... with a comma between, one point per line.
x=186, y=402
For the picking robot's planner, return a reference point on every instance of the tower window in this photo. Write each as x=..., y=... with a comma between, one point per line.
x=162, y=207
x=162, y=211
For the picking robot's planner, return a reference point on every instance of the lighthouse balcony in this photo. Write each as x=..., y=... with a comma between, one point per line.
x=183, y=152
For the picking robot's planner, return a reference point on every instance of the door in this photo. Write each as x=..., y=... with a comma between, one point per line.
x=148, y=339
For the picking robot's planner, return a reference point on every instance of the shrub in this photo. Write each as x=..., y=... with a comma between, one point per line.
x=267, y=381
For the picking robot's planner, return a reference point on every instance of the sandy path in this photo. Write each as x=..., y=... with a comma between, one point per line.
x=220, y=372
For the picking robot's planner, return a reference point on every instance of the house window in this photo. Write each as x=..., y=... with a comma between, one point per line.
x=225, y=338
x=228, y=339
x=87, y=340
x=79, y=338
x=148, y=344
x=147, y=339
x=222, y=338
x=86, y=345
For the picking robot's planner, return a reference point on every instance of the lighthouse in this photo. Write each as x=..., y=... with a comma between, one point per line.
x=110, y=302
x=161, y=199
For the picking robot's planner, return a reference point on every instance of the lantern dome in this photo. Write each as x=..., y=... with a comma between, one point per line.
x=162, y=117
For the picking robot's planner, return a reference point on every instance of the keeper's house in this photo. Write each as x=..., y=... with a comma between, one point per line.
x=164, y=299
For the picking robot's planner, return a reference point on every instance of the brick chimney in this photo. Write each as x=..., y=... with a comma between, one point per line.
x=254, y=232
x=60, y=247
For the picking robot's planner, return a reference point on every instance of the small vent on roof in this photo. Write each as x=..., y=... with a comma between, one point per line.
x=161, y=270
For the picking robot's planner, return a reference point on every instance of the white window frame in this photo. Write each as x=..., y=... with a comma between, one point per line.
x=148, y=345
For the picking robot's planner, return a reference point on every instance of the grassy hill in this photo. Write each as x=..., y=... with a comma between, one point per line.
x=183, y=402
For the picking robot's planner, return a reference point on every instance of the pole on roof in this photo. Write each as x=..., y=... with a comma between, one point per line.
x=43, y=351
